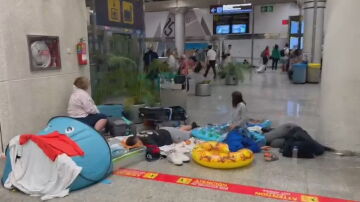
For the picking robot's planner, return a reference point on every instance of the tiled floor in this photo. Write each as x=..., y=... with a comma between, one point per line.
x=269, y=95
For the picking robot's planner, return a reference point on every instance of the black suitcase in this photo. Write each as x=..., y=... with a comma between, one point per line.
x=178, y=113
x=155, y=113
x=175, y=113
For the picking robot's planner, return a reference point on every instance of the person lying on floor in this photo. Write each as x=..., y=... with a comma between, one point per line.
x=82, y=107
x=289, y=135
x=164, y=136
x=161, y=137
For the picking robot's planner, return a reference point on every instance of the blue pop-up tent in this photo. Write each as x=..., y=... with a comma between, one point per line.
x=96, y=163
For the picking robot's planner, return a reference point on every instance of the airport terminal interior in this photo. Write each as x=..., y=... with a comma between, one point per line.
x=179, y=100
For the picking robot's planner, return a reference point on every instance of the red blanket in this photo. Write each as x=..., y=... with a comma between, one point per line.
x=54, y=144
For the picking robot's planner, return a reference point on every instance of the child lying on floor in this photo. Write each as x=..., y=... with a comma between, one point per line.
x=162, y=137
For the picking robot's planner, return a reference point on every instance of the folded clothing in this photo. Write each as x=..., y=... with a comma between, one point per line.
x=236, y=140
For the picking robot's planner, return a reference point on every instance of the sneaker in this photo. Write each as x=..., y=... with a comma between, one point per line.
x=175, y=158
x=183, y=157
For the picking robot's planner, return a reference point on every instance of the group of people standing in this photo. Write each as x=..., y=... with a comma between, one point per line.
x=276, y=56
x=184, y=65
x=285, y=56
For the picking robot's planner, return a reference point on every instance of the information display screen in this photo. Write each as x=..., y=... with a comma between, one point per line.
x=223, y=29
x=239, y=28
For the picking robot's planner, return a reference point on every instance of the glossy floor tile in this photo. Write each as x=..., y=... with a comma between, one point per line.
x=268, y=96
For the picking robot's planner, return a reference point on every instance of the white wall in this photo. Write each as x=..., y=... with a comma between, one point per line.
x=340, y=79
x=193, y=17
x=272, y=22
x=153, y=20
x=29, y=99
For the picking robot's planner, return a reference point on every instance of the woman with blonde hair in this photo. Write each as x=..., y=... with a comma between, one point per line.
x=82, y=107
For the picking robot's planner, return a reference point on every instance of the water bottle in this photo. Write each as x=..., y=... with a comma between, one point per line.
x=295, y=151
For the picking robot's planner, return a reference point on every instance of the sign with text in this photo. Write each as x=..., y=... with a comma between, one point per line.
x=267, y=9
x=120, y=13
x=230, y=9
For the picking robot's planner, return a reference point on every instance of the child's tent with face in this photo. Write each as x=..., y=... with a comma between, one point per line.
x=96, y=164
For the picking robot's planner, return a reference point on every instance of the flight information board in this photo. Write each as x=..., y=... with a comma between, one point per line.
x=230, y=9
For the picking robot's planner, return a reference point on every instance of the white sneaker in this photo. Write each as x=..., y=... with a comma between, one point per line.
x=183, y=157
x=174, y=158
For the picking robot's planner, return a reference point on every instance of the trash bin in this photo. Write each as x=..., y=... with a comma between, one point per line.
x=313, y=73
x=299, y=73
x=203, y=89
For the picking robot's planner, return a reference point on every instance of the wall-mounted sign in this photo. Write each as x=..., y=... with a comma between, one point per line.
x=120, y=13
x=267, y=9
x=230, y=9
x=114, y=12
x=44, y=52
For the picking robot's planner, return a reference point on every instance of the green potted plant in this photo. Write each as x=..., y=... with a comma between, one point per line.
x=140, y=90
x=234, y=72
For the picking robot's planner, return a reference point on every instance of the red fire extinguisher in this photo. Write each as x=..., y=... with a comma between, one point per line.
x=81, y=52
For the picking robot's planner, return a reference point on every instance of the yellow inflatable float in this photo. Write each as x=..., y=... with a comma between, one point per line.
x=218, y=155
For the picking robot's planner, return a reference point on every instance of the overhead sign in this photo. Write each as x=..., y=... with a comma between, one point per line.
x=120, y=13
x=231, y=9
x=267, y=9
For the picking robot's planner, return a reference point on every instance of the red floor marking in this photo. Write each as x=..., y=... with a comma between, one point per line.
x=227, y=187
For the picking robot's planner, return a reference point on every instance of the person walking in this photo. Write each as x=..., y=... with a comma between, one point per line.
x=211, y=59
x=275, y=56
x=265, y=54
x=149, y=57
x=284, y=58
x=172, y=62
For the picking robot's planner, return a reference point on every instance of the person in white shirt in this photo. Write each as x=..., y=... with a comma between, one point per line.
x=82, y=107
x=211, y=58
x=173, y=65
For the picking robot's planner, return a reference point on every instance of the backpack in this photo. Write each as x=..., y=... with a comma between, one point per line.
x=152, y=153
x=282, y=53
x=262, y=54
x=120, y=127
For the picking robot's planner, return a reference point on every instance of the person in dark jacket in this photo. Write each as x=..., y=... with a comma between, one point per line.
x=149, y=57
x=275, y=56
x=288, y=136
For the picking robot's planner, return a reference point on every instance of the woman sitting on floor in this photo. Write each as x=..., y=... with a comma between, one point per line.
x=82, y=107
x=238, y=118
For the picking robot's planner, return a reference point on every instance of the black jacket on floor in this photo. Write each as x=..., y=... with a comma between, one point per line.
x=307, y=146
x=157, y=137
